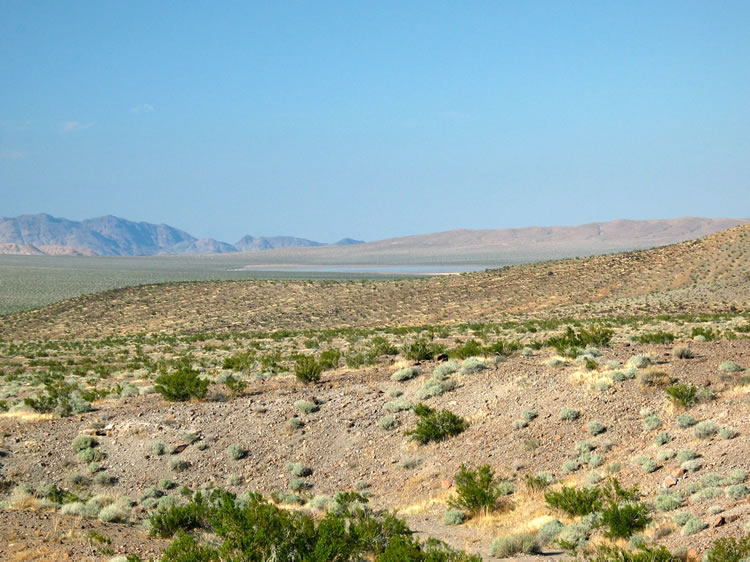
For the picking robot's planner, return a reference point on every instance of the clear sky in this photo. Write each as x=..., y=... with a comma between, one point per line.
x=374, y=119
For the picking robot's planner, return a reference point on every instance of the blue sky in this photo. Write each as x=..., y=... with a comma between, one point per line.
x=374, y=119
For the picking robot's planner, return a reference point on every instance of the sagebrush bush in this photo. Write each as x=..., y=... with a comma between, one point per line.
x=83, y=442
x=595, y=428
x=668, y=501
x=405, y=374
x=640, y=361
x=445, y=369
x=387, y=422
x=524, y=543
x=693, y=526
x=738, y=491
x=398, y=405
x=299, y=469
x=306, y=407
x=472, y=365
x=686, y=420
x=549, y=531
x=730, y=367
x=691, y=465
x=454, y=517
x=705, y=430
x=728, y=433
x=179, y=465
x=236, y=452
x=529, y=415
x=436, y=425
x=569, y=414
x=663, y=438
x=651, y=422
x=686, y=455
x=683, y=352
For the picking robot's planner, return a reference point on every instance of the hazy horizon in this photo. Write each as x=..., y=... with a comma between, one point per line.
x=372, y=121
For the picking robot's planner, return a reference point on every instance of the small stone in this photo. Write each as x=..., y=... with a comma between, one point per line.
x=692, y=554
x=669, y=481
x=677, y=472
x=445, y=484
x=718, y=522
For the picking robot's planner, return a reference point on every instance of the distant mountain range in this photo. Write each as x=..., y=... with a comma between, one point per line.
x=112, y=236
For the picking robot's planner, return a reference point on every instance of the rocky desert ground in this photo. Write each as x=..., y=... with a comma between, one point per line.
x=605, y=397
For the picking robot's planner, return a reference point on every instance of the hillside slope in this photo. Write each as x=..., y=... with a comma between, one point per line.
x=709, y=274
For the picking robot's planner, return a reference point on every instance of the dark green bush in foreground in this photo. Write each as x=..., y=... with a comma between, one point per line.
x=307, y=369
x=249, y=528
x=476, y=490
x=436, y=426
x=182, y=385
x=575, y=501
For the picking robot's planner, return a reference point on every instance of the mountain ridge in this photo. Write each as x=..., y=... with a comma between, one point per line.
x=108, y=235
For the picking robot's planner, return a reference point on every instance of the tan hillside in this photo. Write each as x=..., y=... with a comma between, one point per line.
x=709, y=274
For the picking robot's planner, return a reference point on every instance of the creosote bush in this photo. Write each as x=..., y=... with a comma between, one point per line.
x=182, y=385
x=307, y=369
x=436, y=425
x=477, y=491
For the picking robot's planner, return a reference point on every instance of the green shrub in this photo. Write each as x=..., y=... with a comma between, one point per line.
x=159, y=448
x=705, y=430
x=387, y=422
x=476, y=490
x=663, y=438
x=640, y=361
x=182, y=385
x=83, y=442
x=445, y=369
x=608, y=553
x=436, y=425
x=299, y=469
x=472, y=365
x=668, y=501
x=549, y=531
x=398, y=405
x=306, y=407
x=294, y=423
x=329, y=359
x=685, y=395
x=405, y=374
x=570, y=466
x=569, y=414
x=686, y=455
x=691, y=465
x=703, y=333
x=623, y=520
x=179, y=465
x=730, y=367
x=307, y=369
x=595, y=428
x=692, y=526
x=651, y=422
x=738, y=491
x=656, y=338
x=683, y=352
x=524, y=543
x=728, y=433
x=665, y=455
x=420, y=350
x=454, y=517
x=529, y=415
x=471, y=348
x=538, y=482
x=686, y=420
x=236, y=452
x=737, y=476
x=575, y=501
x=729, y=549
